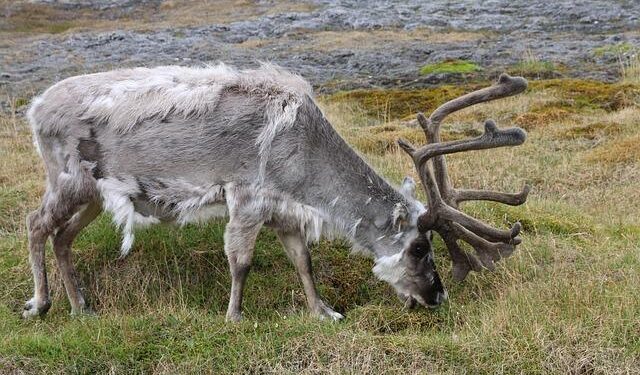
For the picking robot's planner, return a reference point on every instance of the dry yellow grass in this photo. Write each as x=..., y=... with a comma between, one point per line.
x=333, y=40
x=327, y=41
x=619, y=151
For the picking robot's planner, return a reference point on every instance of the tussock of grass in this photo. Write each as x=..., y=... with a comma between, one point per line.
x=451, y=66
x=614, y=49
x=630, y=68
x=532, y=66
x=628, y=57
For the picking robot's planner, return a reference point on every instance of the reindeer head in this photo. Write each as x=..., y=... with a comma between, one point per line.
x=412, y=272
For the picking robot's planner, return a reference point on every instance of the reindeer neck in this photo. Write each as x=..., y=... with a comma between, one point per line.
x=338, y=182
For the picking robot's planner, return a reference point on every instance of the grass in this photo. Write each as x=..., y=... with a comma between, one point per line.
x=450, y=67
x=628, y=57
x=630, y=67
x=566, y=302
x=329, y=41
x=532, y=67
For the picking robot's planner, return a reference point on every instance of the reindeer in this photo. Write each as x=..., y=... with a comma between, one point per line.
x=179, y=144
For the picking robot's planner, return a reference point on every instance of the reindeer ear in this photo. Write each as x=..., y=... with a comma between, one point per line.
x=408, y=187
x=400, y=216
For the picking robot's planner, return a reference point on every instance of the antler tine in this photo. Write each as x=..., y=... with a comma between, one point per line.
x=489, y=252
x=506, y=86
x=477, y=226
x=492, y=138
x=426, y=178
x=463, y=262
x=512, y=199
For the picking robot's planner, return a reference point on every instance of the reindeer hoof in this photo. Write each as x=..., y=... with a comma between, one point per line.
x=324, y=312
x=33, y=308
x=233, y=317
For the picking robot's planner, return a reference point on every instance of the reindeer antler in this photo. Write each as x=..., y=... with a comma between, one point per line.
x=443, y=216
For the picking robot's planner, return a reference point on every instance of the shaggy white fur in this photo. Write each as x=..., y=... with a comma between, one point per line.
x=124, y=98
x=116, y=198
x=389, y=269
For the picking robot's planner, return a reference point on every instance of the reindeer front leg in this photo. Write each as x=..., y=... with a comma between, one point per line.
x=296, y=248
x=239, y=243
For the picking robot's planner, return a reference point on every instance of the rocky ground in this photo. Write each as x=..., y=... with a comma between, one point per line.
x=335, y=44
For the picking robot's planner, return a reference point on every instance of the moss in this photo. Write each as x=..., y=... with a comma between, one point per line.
x=19, y=102
x=575, y=96
x=451, y=66
x=397, y=104
x=589, y=94
x=625, y=150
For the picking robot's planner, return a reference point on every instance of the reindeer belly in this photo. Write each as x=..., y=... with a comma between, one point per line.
x=136, y=201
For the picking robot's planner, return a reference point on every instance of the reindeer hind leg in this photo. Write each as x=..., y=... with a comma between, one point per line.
x=39, y=228
x=62, y=241
x=70, y=189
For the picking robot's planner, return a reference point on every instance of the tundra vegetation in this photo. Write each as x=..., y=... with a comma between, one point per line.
x=567, y=301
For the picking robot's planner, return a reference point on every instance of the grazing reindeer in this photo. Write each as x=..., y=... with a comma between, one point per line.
x=184, y=144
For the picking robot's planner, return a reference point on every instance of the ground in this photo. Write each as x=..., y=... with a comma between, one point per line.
x=568, y=301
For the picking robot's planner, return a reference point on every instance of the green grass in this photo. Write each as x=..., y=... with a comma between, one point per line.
x=450, y=66
x=614, y=49
x=532, y=68
x=628, y=59
x=566, y=302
